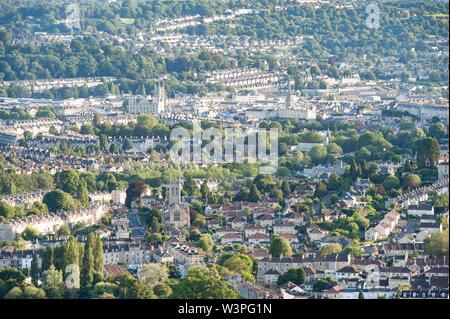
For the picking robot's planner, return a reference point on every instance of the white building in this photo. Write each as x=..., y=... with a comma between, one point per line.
x=421, y=209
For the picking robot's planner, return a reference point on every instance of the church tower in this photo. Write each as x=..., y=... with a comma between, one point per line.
x=327, y=138
x=177, y=213
x=175, y=192
x=289, y=98
x=160, y=98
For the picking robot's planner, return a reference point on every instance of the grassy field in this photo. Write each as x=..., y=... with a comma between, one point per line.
x=127, y=20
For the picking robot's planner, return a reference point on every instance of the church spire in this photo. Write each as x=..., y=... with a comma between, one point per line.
x=289, y=99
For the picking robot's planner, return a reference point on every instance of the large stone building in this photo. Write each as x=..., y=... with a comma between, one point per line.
x=425, y=109
x=125, y=252
x=141, y=105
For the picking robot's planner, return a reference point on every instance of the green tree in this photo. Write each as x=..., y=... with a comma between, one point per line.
x=53, y=283
x=241, y=264
x=285, y=188
x=63, y=231
x=204, y=190
x=14, y=293
x=163, y=291
x=47, y=258
x=391, y=182
x=254, y=195
x=68, y=181
x=334, y=182
x=58, y=257
x=203, y=283
x=318, y=153
x=131, y=288
x=30, y=233
x=205, y=242
x=34, y=270
x=71, y=253
x=190, y=187
x=411, y=181
x=38, y=208
x=134, y=191
x=31, y=292
x=321, y=190
x=334, y=148
x=199, y=221
x=320, y=285
x=279, y=246
x=103, y=142
x=99, y=259
x=373, y=141
x=437, y=130
x=427, y=152
x=154, y=238
x=294, y=275
x=437, y=244
x=127, y=145
x=113, y=148
x=87, y=269
x=12, y=277
x=352, y=227
x=58, y=200
x=329, y=249
x=82, y=193
x=7, y=210
x=355, y=171
x=154, y=274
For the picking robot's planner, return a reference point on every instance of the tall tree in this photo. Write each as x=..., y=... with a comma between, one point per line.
x=103, y=142
x=47, y=258
x=87, y=270
x=53, y=283
x=354, y=170
x=98, y=258
x=321, y=189
x=71, y=253
x=34, y=270
x=428, y=152
x=204, y=190
x=82, y=192
x=58, y=257
x=286, y=188
x=255, y=194
x=68, y=181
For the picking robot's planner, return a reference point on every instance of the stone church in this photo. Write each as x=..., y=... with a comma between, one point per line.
x=177, y=213
x=158, y=104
